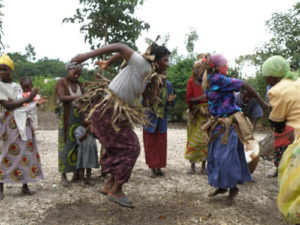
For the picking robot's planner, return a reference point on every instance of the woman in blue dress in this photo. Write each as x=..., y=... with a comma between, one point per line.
x=228, y=130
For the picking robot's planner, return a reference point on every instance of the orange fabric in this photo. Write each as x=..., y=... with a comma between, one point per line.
x=193, y=90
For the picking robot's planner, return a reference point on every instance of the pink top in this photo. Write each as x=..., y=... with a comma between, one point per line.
x=26, y=94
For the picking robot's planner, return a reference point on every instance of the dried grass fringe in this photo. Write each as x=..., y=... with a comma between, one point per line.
x=122, y=112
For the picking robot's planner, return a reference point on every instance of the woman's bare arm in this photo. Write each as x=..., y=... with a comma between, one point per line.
x=254, y=94
x=62, y=97
x=124, y=51
x=11, y=105
x=103, y=64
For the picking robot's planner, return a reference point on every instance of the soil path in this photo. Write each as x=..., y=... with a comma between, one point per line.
x=176, y=198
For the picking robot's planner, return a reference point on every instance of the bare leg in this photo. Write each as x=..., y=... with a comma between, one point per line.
x=1, y=191
x=26, y=190
x=108, y=184
x=203, y=169
x=153, y=173
x=76, y=175
x=81, y=176
x=275, y=174
x=64, y=181
x=159, y=172
x=116, y=190
x=88, y=177
x=193, y=168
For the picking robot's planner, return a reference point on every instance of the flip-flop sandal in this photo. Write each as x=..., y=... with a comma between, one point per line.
x=124, y=201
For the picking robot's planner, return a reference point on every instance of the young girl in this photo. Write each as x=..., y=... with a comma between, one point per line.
x=87, y=156
x=197, y=140
x=284, y=98
x=113, y=113
x=227, y=166
x=19, y=160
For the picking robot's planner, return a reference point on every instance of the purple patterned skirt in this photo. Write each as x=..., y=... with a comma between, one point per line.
x=122, y=148
x=19, y=160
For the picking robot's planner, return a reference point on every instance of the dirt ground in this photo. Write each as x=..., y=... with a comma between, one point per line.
x=176, y=198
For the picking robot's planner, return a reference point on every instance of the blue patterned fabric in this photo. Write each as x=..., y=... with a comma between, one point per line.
x=221, y=99
x=155, y=122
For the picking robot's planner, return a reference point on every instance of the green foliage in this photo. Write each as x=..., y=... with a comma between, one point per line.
x=43, y=67
x=258, y=82
x=191, y=38
x=47, y=88
x=178, y=75
x=285, y=41
x=47, y=85
x=109, y=21
x=30, y=53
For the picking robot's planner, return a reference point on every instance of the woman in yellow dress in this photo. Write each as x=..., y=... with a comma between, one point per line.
x=284, y=98
x=197, y=140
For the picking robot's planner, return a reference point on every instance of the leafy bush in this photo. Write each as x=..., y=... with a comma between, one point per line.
x=178, y=75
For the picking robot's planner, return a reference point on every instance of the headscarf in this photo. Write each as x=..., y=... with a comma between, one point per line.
x=6, y=60
x=277, y=66
x=216, y=60
x=211, y=62
x=73, y=65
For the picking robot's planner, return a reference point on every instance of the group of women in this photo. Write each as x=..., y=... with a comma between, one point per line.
x=113, y=114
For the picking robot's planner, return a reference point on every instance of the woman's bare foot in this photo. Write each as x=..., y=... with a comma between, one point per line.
x=193, y=169
x=232, y=196
x=26, y=190
x=75, y=177
x=107, y=186
x=159, y=172
x=116, y=190
x=203, y=171
x=217, y=192
x=274, y=174
x=153, y=173
x=64, y=182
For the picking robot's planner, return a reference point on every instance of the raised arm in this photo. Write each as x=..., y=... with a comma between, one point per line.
x=124, y=51
x=106, y=63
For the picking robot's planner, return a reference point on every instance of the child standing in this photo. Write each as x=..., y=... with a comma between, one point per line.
x=19, y=160
x=87, y=157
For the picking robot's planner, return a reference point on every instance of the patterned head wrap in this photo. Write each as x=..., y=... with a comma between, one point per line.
x=211, y=62
x=277, y=66
x=73, y=65
x=6, y=60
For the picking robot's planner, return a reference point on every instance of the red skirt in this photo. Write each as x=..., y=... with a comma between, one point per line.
x=155, y=146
